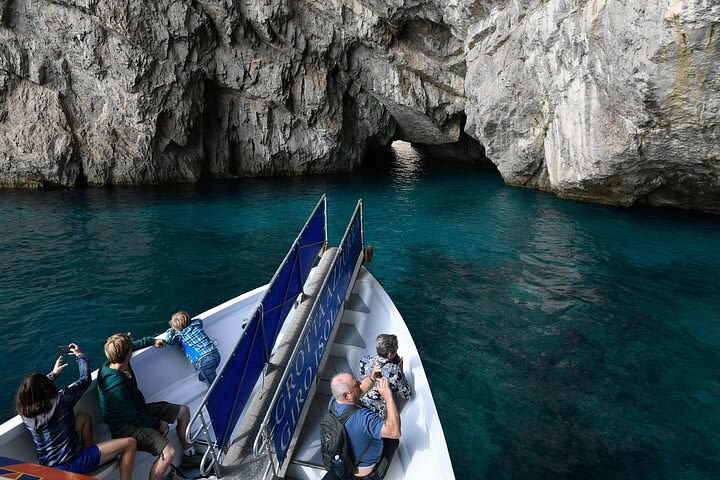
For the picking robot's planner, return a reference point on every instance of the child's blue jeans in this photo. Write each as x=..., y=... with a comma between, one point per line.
x=208, y=366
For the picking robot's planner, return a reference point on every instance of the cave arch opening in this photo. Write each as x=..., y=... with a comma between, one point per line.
x=408, y=155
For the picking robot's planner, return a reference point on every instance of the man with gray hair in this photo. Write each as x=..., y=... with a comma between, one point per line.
x=372, y=439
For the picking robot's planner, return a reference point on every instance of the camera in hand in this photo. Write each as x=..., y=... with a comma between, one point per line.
x=64, y=349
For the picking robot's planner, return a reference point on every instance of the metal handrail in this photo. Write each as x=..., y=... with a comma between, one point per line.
x=210, y=450
x=257, y=446
x=205, y=469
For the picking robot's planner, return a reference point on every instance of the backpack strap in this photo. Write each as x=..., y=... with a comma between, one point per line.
x=343, y=417
x=347, y=413
x=363, y=454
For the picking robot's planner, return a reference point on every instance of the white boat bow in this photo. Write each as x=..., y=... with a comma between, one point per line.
x=355, y=310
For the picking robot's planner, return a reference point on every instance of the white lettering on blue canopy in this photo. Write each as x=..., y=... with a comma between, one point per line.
x=237, y=379
x=304, y=365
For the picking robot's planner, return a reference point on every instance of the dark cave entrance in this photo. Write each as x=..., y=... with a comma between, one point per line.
x=400, y=152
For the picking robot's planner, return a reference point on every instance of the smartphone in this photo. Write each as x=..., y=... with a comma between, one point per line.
x=64, y=349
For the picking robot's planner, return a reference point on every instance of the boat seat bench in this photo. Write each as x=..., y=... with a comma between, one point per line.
x=348, y=335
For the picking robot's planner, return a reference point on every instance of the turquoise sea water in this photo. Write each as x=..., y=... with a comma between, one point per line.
x=561, y=340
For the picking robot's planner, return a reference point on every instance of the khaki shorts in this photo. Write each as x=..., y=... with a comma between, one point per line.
x=150, y=439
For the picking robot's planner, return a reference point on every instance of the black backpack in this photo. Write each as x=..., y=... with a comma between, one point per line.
x=334, y=443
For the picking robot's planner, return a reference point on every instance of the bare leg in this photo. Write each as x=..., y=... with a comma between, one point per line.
x=83, y=427
x=162, y=463
x=183, y=419
x=126, y=448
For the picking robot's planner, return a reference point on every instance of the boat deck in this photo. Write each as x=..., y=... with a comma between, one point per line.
x=349, y=331
x=307, y=459
x=167, y=374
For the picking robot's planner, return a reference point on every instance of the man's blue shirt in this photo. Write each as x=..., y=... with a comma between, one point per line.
x=363, y=431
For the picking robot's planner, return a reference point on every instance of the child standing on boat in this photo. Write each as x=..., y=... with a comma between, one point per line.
x=199, y=348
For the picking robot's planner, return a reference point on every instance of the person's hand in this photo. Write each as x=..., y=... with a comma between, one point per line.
x=75, y=350
x=377, y=372
x=384, y=389
x=159, y=343
x=164, y=427
x=59, y=366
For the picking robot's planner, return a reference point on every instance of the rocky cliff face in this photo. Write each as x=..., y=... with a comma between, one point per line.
x=608, y=101
x=601, y=100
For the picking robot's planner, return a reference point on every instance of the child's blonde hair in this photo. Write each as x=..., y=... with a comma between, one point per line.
x=117, y=347
x=180, y=320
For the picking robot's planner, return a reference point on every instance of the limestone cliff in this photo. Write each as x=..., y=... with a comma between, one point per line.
x=601, y=100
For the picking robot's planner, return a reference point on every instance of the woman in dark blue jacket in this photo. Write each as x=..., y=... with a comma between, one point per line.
x=63, y=440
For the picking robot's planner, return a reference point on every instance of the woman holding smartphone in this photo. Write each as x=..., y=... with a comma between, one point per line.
x=62, y=439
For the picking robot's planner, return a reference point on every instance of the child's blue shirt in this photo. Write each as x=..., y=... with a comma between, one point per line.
x=194, y=340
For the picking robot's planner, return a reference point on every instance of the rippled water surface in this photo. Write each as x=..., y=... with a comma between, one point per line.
x=561, y=340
